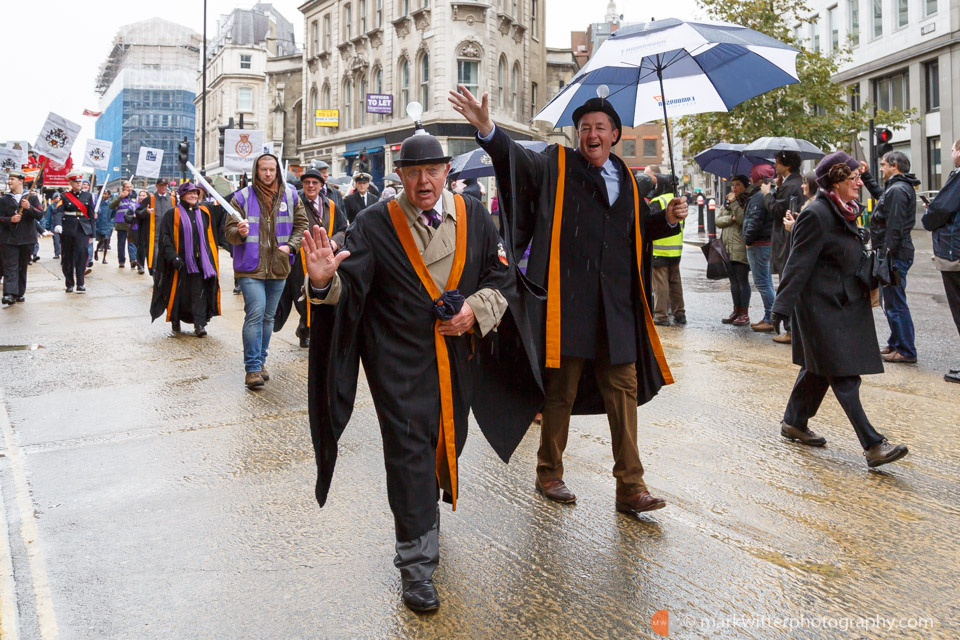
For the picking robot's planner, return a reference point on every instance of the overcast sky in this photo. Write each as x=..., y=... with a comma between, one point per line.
x=54, y=48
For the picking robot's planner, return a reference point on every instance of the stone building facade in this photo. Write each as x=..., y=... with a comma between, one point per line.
x=416, y=50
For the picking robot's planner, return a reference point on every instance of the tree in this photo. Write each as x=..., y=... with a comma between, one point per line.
x=815, y=109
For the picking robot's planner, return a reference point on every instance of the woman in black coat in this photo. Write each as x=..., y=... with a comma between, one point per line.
x=834, y=338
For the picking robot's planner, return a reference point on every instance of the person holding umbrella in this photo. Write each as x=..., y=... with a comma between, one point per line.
x=834, y=337
x=589, y=231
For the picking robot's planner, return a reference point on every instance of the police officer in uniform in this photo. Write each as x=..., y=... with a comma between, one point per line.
x=74, y=221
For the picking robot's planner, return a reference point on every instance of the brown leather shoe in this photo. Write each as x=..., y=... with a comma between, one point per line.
x=253, y=380
x=896, y=356
x=733, y=316
x=264, y=374
x=639, y=502
x=807, y=437
x=555, y=490
x=783, y=338
x=763, y=327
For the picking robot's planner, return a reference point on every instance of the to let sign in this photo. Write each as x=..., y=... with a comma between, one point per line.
x=327, y=117
x=379, y=103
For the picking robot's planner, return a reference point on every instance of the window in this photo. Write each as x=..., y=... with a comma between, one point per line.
x=516, y=99
x=326, y=32
x=314, y=106
x=404, y=85
x=345, y=122
x=404, y=7
x=629, y=148
x=379, y=14
x=854, y=12
x=362, y=8
x=347, y=24
x=815, y=35
x=326, y=97
x=932, y=72
x=929, y=7
x=361, y=100
x=903, y=13
x=378, y=86
x=854, y=93
x=877, y=18
x=314, y=38
x=649, y=147
x=934, y=167
x=533, y=100
x=501, y=83
x=245, y=61
x=533, y=18
x=425, y=81
x=516, y=10
x=891, y=91
x=424, y=4
x=833, y=28
x=468, y=74
x=244, y=99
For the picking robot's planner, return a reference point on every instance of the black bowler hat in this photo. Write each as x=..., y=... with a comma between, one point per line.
x=598, y=104
x=312, y=173
x=421, y=148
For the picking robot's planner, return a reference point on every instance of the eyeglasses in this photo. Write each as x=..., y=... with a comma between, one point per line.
x=433, y=172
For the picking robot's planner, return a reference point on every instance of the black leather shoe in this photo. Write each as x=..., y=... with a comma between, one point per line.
x=8, y=300
x=304, y=335
x=953, y=376
x=680, y=318
x=199, y=331
x=81, y=289
x=69, y=289
x=20, y=299
x=420, y=596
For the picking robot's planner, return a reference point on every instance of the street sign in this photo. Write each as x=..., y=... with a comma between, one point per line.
x=327, y=117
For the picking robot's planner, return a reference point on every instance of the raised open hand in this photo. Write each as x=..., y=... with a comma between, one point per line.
x=321, y=262
x=477, y=112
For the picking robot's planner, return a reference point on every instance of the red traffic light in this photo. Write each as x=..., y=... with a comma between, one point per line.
x=884, y=135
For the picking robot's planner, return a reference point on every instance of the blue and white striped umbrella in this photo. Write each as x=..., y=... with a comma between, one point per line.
x=671, y=68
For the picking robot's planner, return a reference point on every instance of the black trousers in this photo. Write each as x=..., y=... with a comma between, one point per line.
x=807, y=395
x=951, y=285
x=15, y=258
x=73, y=256
x=740, y=284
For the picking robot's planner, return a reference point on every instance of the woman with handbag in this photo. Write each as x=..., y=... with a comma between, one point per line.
x=834, y=337
x=730, y=221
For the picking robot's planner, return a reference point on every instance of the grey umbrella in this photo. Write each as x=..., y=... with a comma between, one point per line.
x=768, y=146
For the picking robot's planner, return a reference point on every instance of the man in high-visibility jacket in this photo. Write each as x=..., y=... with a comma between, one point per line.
x=667, y=288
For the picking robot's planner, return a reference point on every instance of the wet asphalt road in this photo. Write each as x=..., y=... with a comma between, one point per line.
x=147, y=494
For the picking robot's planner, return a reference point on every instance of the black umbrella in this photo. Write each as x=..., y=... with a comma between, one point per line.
x=768, y=146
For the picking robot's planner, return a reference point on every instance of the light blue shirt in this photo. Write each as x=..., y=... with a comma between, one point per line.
x=609, y=172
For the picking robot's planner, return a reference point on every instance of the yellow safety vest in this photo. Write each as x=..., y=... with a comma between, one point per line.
x=671, y=246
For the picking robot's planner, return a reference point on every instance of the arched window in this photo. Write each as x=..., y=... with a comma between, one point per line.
x=378, y=85
x=345, y=122
x=516, y=98
x=425, y=80
x=361, y=100
x=501, y=83
x=314, y=106
x=325, y=97
x=404, y=85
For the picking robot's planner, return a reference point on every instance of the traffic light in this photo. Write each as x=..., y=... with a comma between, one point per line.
x=363, y=164
x=222, y=138
x=183, y=153
x=884, y=137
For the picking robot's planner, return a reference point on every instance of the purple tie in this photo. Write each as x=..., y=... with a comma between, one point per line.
x=431, y=217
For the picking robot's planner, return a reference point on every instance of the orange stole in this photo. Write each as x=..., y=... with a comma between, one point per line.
x=447, y=442
x=176, y=246
x=553, y=278
x=303, y=256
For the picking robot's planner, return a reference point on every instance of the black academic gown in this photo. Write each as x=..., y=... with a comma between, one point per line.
x=527, y=183
x=174, y=291
x=385, y=319
x=293, y=289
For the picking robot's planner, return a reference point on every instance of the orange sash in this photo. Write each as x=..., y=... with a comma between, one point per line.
x=303, y=256
x=553, y=278
x=176, y=246
x=447, y=442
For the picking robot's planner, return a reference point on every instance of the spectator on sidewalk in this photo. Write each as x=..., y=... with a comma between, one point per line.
x=48, y=221
x=730, y=221
x=757, y=232
x=667, y=285
x=104, y=226
x=890, y=227
x=942, y=217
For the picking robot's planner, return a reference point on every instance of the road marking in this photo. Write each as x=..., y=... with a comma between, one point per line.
x=46, y=617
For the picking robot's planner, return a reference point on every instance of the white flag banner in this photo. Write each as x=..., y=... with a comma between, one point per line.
x=21, y=147
x=57, y=138
x=148, y=164
x=268, y=147
x=240, y=147
x=97, y=154
x=9, y=161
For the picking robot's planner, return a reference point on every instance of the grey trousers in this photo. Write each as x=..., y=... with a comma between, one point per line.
x=418, y=559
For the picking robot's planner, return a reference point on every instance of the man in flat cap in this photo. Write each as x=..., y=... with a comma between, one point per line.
x=589, y=232
x=361, y=198
x=74, y=220
x=19, y=213
x=327, y=190
x=416, y=295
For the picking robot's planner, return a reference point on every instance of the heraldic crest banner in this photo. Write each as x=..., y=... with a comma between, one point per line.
x=57, y=137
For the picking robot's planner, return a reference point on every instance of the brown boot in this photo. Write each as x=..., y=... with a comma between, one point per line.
x=635, y=503
x=555, y=490
x=253, y=380
x=733, y=316
x=743, y=318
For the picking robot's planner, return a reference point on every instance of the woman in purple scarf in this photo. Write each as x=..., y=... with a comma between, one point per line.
x=187, y=287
